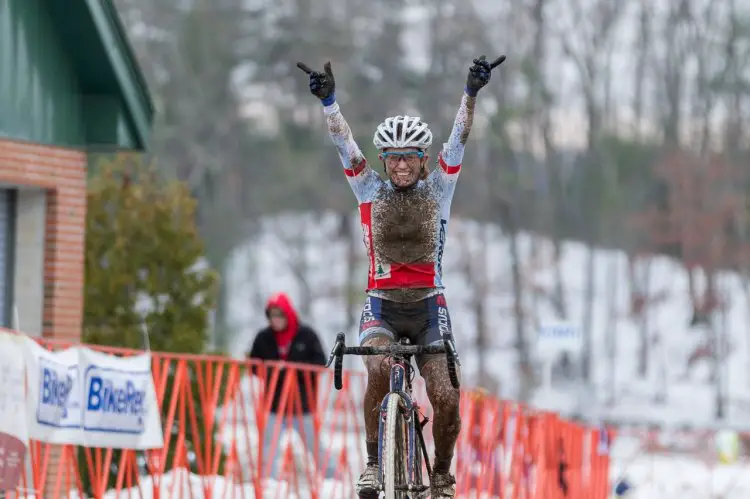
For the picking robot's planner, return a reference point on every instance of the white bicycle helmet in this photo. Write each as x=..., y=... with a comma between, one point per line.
x=403, y=131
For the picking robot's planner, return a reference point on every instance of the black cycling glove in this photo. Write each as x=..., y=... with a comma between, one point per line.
x=322, y=85
x=480, y=73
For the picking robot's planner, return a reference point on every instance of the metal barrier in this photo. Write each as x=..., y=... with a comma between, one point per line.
x=222, y=439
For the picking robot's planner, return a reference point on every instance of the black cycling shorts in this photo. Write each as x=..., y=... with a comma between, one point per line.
x=423, y=322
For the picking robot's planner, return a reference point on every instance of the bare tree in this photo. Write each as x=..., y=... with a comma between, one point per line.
x=671, y=68
x=701, y=206
x=539, y=103
x=639, y=280
x=588, y=41
x=189, y=55
x=292, y=233
x=704, y=27
x=499, y=187
x=742, y=262
x=611, y=330
x=735, y=80
x=643, y=60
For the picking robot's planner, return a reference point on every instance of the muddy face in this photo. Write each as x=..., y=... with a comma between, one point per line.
x=403, y=166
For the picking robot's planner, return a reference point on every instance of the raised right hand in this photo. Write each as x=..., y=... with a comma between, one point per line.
x=480, y=73
x=322, y=85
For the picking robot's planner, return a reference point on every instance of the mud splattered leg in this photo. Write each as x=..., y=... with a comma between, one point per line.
x=378, y=380
x=444, y=399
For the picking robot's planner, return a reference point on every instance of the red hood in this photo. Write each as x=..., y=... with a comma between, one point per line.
x=284, y=338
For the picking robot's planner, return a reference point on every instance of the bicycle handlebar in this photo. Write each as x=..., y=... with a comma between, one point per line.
x=340, y=349
x=396, y=350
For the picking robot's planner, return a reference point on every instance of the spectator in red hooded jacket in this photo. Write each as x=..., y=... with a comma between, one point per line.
x=286, y=339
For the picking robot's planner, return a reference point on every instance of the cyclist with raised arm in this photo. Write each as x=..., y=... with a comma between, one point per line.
x=404, y=221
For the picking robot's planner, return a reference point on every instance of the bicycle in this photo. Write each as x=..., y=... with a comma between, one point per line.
x=401, y=424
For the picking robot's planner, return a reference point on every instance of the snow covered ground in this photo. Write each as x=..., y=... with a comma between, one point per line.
x=658, y=476
x=721, y=484
x=654, y=478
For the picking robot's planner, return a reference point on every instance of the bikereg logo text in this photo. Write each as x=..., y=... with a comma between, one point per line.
x=58, y=405
x=115, y=401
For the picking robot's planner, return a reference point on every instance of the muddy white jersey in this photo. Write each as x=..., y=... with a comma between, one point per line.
x=404, y=231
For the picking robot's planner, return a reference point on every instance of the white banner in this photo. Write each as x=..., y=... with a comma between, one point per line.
x=14, y=435
x=556, y=337
x=54, y=408
x=83, y=397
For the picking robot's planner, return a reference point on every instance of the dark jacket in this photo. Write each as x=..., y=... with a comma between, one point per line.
x=305, y=348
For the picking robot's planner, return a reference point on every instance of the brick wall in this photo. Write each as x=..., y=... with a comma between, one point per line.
x=62, y=173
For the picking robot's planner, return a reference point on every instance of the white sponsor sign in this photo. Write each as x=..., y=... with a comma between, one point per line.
x=53, y=403
x=14, y=436
x=83, y=397
x=554, y=338
x=12, y=396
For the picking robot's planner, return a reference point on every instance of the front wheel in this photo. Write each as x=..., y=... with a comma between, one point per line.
x=393, y=461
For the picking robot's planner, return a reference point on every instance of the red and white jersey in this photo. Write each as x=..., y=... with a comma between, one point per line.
x=404, y=230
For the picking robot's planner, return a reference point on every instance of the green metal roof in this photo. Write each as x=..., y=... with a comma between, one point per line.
x=104, y=61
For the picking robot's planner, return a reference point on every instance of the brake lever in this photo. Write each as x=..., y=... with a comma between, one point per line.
x=451, y=348
x=332, y=356
x=336, y=350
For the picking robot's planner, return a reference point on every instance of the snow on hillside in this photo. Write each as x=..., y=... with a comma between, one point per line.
x=311, y=246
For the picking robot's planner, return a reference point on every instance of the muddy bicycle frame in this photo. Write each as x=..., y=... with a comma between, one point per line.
x=401, y=385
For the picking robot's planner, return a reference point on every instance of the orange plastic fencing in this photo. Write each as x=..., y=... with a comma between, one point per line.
x=507, y=450
x=222, y=440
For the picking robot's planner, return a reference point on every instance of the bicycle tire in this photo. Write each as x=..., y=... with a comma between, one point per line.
x=394, y=464
x=418, y=457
